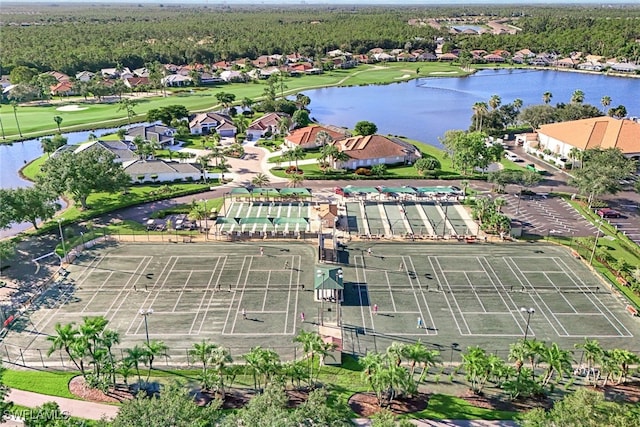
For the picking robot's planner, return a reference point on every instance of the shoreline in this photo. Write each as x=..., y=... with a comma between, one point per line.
x=341, y=83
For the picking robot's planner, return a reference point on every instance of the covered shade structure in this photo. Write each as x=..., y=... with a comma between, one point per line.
x=328, y=284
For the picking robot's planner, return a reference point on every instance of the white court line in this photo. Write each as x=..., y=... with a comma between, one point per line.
x=233, y=297
x=432, y=323
x=393, y=301
x=119, y=297
x=589, y=297
x=510, y=262
x=204, y=295
x=224, y=263
x=355, y=262
x=446, y=297
x=474, y=291
x=544, y=273
x=91, y=266
x=146, y=304
x=497, y=279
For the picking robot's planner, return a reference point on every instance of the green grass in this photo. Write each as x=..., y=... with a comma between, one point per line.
x=307, y=155
x=37, y=121
x=43, y=382
x=32, y=169
x=445, y=407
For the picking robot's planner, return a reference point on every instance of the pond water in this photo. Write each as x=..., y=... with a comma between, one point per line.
x=423, y=109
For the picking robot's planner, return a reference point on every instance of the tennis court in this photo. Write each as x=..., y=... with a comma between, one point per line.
x=464, y=294
x=196, y=292
x=473, y=295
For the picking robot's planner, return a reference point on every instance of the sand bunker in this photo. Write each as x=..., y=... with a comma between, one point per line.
x=443, y=72
x=406, y=76
x=73, y=107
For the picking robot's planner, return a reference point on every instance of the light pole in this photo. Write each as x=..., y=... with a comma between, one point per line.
x=339, y=277
x=595, y=244
x=529, y=312
x=145, y=313
x=64, y=248
x=322, y=274
x=206, y=220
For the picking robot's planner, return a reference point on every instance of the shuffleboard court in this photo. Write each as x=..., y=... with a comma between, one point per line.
x=448, y=295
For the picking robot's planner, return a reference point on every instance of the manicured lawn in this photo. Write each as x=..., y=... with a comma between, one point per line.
x=45, y=382
x=307, y=155
x=38, y=120
x=445, y=407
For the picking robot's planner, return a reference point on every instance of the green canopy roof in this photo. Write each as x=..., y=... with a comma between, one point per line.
x=406, y=190
x=296, y=191
x=328, y=278
x=350, y=189
x=254, y=220
x=264, y=192
x=291, y=221
x=438, y=189
x=225, y=220
x=239, y=191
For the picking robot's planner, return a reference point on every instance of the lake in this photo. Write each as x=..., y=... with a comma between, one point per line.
x=423, y=109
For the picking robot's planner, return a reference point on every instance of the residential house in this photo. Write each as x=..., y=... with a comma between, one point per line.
x=114, y=73
x=136, y=82
x=63, y=89
x=163, y=135
x=141, y=72
x=427, y=56
x=598, y=132
x=591, y=66
x=525, y=53
x=222, y=65
x=124, y=151
x=493, y=58
x=566, y=63
x=623, y=67
x=161, y=171
x=448, y=57
x=84, y=76
x=384, y=57
x=176, y=80
x=334, y=53
x=60, y=77
x=208, y=78
x=307, y=137
x=206, y=123
x=232, y=76
x=267, y=124
x=370, y=150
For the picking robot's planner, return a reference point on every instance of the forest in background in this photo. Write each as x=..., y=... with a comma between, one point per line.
x=89, y=37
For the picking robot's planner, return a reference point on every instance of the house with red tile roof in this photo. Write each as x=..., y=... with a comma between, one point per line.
x=135, y=82
x=307, y=137
x=367, y=151
x=598, y=132
x=63, y=89
x=60, y=77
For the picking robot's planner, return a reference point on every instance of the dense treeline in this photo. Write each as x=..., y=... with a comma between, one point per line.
x=71, y=40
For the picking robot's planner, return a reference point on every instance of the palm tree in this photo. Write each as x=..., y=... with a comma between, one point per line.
x=134, y=356
x=261, y=180
x=546, y=97
x=14, y=105
x=417, y=353
x=370, y=363
x=517, y=104
x=284, y=125
x=499, y=202
x=480, y=109
x=295, y=179
x=605, y=101
x=327, y=151
x=109, y=339
x=241, y=123
x=311, y=343
x=125, y=370
x=395, y=353
x=558, y=362
x=577, y=97
x=323, y=138
x=58, y=121
x=64, y=339
x=495, y=101
x=533, y=349
x=302, y=101
x=575, y=154
x=127, y=105
x=202, y=352
x=220, y=357
x=152, y=349
x=518, y=353
x=593, y=355
x=624, y=359
x=475, y=364
x=47, y=146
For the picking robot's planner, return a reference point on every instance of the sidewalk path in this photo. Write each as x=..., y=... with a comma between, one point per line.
x=75, y=408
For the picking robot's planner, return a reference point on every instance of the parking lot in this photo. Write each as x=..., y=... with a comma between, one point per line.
x=543, y=216
x=629, y=220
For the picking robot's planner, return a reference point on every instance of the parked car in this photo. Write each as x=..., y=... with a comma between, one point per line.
x=608, y=213
x=339, y=191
